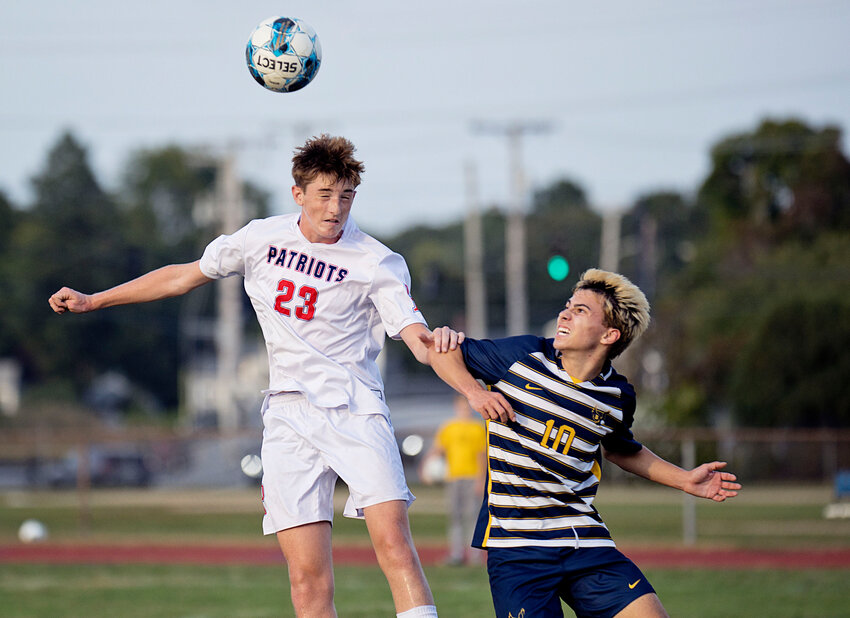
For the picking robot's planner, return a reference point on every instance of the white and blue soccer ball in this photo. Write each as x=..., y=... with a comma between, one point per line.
x=283, y=54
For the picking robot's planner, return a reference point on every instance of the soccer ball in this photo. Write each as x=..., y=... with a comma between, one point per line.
x=283, y=54
x=252, y=465
x=433, y=470
x=32, y=531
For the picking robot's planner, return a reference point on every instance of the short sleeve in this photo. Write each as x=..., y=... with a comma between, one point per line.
x=489, y=360
x=225, y=256
x=390, y=293
x=622, y=440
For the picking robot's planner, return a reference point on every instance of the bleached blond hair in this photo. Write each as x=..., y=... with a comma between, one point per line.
x=624, y=305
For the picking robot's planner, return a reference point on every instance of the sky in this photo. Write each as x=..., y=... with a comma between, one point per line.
x=624, y=98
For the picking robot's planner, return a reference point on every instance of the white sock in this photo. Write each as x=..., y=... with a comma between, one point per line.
x=423, y=611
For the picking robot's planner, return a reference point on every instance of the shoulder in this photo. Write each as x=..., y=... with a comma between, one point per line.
x=385, y=263
x=274, y=222
x=369, y=244
x=611, y=378
x=276, y=225
x=520, y=344
x=507, y=348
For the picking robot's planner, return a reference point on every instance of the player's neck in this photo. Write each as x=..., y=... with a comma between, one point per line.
x=582, y=365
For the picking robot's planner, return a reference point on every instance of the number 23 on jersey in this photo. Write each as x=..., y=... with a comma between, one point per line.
x=303, y=311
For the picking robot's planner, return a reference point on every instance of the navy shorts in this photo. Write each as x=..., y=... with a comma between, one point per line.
x=593, y=581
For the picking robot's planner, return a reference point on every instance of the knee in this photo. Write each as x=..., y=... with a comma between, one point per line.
x=391, y=538
x=311, y=587
x=395, y=551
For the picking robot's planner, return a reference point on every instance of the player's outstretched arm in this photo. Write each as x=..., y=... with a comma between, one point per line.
x=164, y=282
x=452, y=370
x=446, y=339
x=419, y=339
x=705, y=481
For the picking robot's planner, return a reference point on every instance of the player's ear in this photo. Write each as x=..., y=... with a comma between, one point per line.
x=612, y=335
x=298, y=195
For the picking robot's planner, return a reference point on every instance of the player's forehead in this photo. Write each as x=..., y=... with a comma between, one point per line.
x=587, y=298
x=330, y=182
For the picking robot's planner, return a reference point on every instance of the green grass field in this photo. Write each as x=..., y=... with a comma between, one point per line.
x=142, y=591
x=639, y=515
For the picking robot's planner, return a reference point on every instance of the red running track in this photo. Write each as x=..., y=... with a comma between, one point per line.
x=46, y=553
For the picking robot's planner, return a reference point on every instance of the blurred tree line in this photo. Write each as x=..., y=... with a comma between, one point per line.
x=75, y=233
x=747, y=276
x=749, y=279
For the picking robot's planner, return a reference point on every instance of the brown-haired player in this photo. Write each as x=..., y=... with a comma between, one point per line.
x=326, y=295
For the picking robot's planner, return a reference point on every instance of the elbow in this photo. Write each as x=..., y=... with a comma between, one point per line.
x=186, y=277
x=618, y=459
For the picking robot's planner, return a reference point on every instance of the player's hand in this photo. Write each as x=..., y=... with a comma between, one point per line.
x=491, y=405
x=67, y=299
x=446, y=339
x=707, y=481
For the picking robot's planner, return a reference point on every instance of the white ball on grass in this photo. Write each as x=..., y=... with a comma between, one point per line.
x=32, y=531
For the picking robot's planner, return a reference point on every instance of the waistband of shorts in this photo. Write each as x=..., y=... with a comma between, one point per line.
x=286, y=395
x=296, y=395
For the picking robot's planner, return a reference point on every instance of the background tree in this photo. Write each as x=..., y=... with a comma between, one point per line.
x=75, y=233
x=748, y=280
x=798, y=381
x=562, y=223
x=72, y=232
x=658, y=239
x=776, y=203
x=8, y=221
x=169, y=204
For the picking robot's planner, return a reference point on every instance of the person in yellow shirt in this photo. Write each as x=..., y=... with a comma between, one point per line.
x=462, y=443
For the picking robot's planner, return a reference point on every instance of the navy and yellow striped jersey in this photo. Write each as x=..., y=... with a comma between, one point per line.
x=545, y=467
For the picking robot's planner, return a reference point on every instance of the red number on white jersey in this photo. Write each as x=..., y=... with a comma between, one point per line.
x=302, y=312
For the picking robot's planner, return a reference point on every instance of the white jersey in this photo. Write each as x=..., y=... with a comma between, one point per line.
x=324, y=308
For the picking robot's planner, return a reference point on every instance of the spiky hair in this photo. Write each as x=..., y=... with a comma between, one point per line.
x=624, y=305
x=329, y=155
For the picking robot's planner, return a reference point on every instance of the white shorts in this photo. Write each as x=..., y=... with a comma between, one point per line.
x=306, y=448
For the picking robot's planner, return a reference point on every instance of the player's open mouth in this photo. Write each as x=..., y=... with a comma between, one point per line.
x=563, y=330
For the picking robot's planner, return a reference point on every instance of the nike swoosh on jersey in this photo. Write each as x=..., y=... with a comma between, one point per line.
x=530, y=387
x=632, y=586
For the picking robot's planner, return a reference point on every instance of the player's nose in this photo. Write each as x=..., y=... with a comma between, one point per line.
x=335, y=204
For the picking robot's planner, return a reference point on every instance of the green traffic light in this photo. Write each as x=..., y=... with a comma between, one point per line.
x=558, y=267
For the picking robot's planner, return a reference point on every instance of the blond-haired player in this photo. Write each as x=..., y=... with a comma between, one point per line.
x=555, y=408
x=325, y=295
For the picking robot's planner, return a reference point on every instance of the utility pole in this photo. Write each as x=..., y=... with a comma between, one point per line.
x=515, y=247
x=609, y=257
x=228, y=332
x=217, y=392
x=516, y=289
x=648, y=254
x=473, y=241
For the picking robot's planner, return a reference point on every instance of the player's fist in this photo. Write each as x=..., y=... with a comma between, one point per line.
x=491, y=405
x=67, y=299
